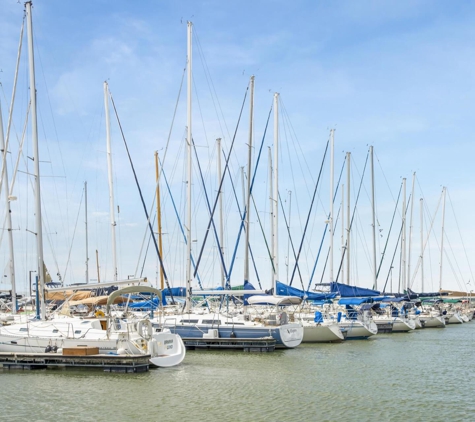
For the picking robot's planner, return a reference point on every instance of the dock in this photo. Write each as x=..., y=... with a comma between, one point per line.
x=265, y=344
x=108, y=363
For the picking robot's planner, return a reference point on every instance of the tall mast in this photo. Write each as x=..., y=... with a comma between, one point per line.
x=271, y=211
x=410, y=232
x=159, y=219
x=288, y=239
x=348, y=217
x=111, y=182
x=189, y=141
x=275, y=195
x=97, y=267
x=373, y=205
x=444, y=189
x=221, y=222
x=36, y=159
x=342, y=230
x=422, y=245
x=248, y=187
x=403, y=237
x=330, y=220
x=6, y=189
x=87, y=242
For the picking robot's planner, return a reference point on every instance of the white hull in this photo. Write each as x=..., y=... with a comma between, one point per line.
x=16, y=344
x=169, y=350
x=455, y=318
x=403, y=325
x=356, y=330
x=432, y=321
x=417, y=321
x=291, y=334
x=321, y=333
x=166, y=349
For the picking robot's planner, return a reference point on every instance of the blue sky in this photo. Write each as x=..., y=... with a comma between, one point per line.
x=396, y=75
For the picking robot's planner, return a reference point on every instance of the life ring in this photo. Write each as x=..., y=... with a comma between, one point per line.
x=99, y=314
x=145, y=329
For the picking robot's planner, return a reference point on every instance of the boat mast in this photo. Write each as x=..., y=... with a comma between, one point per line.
x=422, y=245
x=444, y=189
x=111, y=182
x=348, y=217
x=6, y=189
x=221, y=221
x=87, y=243
x=36, y=160
x=271, y=210
x=330, y=220
x=275, y=195
x=97, y=267
x=159, y=219
x=189, y=141
x=248, y=188
x=288, y=239
x=342, y=230
x=410, y=233
x=373, y=205
x=403, y=236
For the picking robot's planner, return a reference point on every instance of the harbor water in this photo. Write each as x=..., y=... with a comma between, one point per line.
x=423, y=375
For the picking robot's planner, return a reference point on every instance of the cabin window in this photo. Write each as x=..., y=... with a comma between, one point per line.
x=189, y=321
x=23, y=329
x=211, y=321
x=234, y=323
x=77, y=332
x=55, y=330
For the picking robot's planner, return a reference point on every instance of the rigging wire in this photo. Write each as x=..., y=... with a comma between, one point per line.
x=141, y=198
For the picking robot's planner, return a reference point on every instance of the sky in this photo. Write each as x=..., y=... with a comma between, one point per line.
x=394, y=75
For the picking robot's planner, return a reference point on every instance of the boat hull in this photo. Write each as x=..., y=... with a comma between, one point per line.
x=286, y=336
x=168, y=350
x=321, y=333
x=356, y=330
x=432, y=321
x=403, y=325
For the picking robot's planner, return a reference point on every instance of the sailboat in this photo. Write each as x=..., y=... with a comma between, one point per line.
x=55, y=334
x=204, y=323
x=117, y=336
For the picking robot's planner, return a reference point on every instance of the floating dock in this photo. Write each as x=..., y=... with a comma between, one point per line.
x=266, y=344
x=108, y=363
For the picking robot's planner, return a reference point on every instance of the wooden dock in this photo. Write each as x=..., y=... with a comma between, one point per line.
x=266, y=344
x=108, y=363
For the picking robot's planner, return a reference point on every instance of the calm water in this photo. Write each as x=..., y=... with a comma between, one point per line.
x=423, y=375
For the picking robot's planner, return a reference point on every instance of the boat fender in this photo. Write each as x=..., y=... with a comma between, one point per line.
x=145, y=329
x=48, y=348
x=54, y=348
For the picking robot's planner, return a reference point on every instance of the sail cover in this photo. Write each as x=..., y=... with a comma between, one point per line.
x=351, y=291
x=285, y=290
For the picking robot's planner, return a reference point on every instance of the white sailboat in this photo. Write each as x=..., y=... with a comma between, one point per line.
x=55, y=334
x=119, y=336
x=192, y=323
